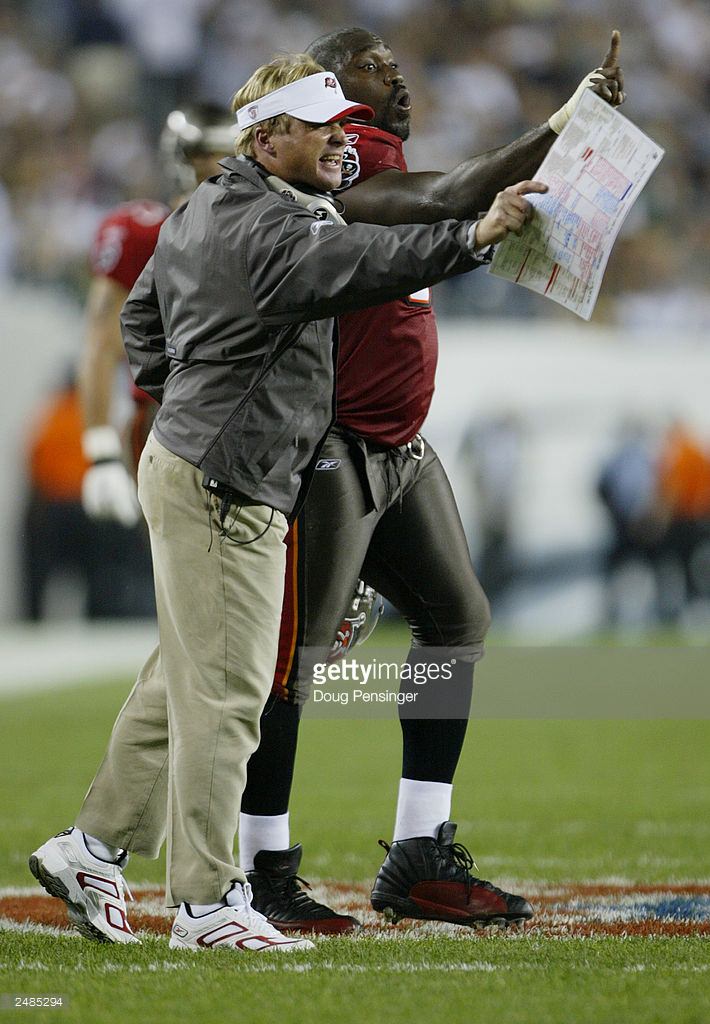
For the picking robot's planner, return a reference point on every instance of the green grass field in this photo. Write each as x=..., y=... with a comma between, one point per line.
x=539, y=802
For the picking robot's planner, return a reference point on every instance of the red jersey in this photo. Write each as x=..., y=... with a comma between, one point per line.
x=125, y=241
x=388, y=353
x=123, y=244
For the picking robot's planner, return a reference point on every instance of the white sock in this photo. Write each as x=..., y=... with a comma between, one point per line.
x=236, y=897
x=101, y=850
x=261, y=832
x=421, y=808
x=199, y=909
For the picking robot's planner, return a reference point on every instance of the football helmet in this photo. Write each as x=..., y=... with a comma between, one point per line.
x=199, y=130
x=360, y=620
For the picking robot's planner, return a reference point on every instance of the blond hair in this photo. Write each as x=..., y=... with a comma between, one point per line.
x=269, y=77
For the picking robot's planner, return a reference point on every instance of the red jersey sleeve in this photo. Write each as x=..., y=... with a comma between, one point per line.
x=125, y=241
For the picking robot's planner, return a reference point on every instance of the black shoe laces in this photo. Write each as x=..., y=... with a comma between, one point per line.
x=292, y=887
x=461, y=856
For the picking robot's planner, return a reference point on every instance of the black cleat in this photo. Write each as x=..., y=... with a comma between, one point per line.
x=430, y=879
x=279, y=896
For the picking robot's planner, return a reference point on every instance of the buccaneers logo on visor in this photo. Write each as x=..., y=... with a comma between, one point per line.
x=330, y=82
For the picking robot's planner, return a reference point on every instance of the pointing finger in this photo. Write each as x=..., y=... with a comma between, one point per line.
x=612, y=57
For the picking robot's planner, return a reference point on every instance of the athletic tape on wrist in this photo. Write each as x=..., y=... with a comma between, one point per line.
x=101, y=444
x=560, y=118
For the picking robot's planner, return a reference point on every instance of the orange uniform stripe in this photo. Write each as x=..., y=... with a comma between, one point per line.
x=288, y=638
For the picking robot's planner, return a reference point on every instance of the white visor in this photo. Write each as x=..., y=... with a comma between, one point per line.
x=318, y=99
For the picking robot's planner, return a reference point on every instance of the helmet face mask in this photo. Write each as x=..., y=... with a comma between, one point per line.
x=191, y=133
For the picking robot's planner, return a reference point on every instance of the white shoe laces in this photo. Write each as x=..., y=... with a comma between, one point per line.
x=256, y=920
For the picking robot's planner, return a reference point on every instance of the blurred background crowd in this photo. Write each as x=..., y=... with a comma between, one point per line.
x=85, y=86
x=652, y=487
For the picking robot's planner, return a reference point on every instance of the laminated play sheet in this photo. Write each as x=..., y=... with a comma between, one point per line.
x=595, y=172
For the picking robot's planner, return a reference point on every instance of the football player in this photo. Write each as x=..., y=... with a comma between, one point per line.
x=192, y=142
x=381, y=507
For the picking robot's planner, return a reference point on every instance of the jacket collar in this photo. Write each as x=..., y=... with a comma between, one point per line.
x=244, y=166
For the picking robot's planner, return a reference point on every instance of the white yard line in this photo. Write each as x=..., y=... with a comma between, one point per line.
x=30, y=928
x=57, y=655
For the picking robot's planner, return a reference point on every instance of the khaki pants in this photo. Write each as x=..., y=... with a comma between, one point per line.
x=176, y=760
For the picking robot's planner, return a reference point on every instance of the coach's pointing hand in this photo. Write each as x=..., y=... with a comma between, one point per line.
x=510, y=212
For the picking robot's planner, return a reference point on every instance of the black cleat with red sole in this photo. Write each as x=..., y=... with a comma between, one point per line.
x=429, y=879
x=278, y=894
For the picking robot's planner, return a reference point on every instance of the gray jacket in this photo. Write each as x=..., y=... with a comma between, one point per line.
x=230, y=324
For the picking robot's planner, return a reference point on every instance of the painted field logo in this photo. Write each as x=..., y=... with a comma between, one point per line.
x=584, y=910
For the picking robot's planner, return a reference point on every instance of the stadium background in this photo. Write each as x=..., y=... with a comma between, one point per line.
x=84, y=88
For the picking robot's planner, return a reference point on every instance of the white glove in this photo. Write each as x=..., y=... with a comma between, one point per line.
x=108, y=491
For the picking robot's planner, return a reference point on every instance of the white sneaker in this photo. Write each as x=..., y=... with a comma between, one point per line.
x=91, y=888
x=238, y=926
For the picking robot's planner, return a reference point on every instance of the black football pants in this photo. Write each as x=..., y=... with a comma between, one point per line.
x=391, y=519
